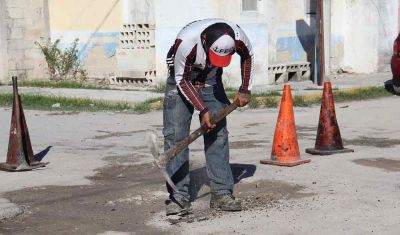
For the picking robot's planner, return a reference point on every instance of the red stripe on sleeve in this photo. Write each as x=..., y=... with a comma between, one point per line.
x=186, y=87
x=245, y=62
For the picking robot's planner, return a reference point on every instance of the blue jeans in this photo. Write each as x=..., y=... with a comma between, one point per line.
x=177, y=116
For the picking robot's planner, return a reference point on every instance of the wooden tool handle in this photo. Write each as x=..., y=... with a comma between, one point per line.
x=177, y=148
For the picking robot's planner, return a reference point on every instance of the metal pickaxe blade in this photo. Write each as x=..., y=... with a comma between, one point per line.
x=155, y=151
x=161, y=160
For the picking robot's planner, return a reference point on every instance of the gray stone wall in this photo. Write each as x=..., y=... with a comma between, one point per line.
x=24, y=22
x=3, y=43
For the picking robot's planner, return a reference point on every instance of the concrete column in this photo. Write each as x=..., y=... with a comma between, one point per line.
x=3, y=43
x=327, y=35
x=126, y=9
x=398, y=16
x=138, y=11
x=387, y=31
x=136, y=54
x=26, y=22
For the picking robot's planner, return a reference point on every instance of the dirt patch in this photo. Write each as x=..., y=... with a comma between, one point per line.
x=381, y=163
x=157, y=127
x=307, y=128
x=259, y=195
x=122, y=198
x=98, y=147
x=63, y=113
x=125, y=197
x=265, y=193
x=253, y=124
x=251, y=133
x=305, y=135
x=380, y=130
x=306, y=131
x=241, y=144
x=131, y=159
x=246, y=144
x=116, y=134
x=371, y=141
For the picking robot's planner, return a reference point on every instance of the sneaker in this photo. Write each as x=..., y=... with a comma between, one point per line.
x=177, y=207
x=225, y=202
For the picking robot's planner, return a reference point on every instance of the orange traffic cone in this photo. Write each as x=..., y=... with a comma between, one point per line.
x=328, y=139
x=285, y=149
x=20, y=154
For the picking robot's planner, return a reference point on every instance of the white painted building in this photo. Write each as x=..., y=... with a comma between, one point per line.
x=130, y=38
x=358, y=34
x=168, y=17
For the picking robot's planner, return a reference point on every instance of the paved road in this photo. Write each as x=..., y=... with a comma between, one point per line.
x=100, y=178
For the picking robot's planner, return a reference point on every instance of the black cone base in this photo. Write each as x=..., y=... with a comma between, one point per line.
x=315, y=151
x=22, y=167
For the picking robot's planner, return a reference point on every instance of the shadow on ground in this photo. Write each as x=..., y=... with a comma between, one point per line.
x=199, y=178
x=39, y=156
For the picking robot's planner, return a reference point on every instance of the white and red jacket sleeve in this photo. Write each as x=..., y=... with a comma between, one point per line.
x=245, y=51
x=185, y=57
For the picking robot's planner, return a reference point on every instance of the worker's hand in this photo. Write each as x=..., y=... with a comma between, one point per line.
x=205, y=119
x=242, y=99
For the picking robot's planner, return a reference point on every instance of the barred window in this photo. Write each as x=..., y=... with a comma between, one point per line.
x=249, y=5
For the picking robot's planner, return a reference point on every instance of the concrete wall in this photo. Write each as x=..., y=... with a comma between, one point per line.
x=388, y=30
x=138, y=11
x=359, y=34
x=168, y=25
x=291, y=35
x=136, y=54
x=338, y=22
x=359, y=37
x=254, y=24
x=3, y=43
x=22, y=23
x=362, y=34
x=96, y=23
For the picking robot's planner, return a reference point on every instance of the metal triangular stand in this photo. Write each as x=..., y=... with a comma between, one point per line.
x=20, y=154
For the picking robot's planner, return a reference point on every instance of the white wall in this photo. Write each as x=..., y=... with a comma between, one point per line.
x=337, y=35
x=23, y=23
x=139, y=11
x=172, y=15
x=388, y=30
x=362, y=34
x=362, y=31
x=290, y=31
x=256, y=28
x=359, y=34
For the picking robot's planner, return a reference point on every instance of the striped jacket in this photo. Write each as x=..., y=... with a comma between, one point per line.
x=188, y=55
